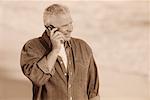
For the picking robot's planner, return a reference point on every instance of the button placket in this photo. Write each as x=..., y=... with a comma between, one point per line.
x=61, y=62
x=69, y=74
x=69, y=86
x=69, y=62
x=65, y=74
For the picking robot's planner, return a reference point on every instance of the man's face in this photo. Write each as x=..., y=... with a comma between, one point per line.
x=64, y=23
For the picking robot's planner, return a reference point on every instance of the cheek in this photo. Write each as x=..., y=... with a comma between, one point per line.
x=63, y=30
x=66, y=29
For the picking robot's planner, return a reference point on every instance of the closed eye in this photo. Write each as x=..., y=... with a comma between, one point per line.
x=66, y=24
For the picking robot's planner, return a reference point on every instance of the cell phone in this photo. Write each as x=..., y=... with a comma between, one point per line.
x=50, y=27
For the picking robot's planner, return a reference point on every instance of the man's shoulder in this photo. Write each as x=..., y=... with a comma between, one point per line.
x=80, y=41
x=83, y=44
x=32, y=42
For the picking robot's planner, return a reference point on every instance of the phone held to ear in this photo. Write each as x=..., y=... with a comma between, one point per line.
x=51, y=27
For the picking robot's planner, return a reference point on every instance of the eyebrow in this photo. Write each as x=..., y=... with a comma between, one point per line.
x=66, y=24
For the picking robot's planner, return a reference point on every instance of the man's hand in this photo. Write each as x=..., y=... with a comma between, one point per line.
x=56, y=39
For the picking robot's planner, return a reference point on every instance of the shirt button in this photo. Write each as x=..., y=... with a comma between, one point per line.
x=70, y=98
x=65, y=74
x=61, y=62
x=69, y=85
x=70, y=73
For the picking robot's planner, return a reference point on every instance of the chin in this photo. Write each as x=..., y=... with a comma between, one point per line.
x=67, y=39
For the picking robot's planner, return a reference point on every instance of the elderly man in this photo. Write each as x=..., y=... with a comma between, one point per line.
x=59, y=66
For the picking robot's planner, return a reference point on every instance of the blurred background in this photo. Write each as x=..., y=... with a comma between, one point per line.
x=117, y=31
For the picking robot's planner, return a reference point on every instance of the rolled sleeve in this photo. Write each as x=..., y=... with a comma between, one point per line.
x=34, y=64
x=43, y=65
x=95, y=98
x=93, y=81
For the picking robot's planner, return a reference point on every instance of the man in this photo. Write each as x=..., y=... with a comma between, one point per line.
x=60, y=67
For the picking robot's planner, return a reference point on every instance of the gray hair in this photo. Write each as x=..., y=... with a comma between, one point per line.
x=54, y=9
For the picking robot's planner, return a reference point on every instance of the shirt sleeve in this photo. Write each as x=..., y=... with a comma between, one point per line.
x=34, y=64
x=93, y=81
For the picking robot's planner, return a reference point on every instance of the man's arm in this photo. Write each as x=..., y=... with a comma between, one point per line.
x=35, y=66
x=93, y=81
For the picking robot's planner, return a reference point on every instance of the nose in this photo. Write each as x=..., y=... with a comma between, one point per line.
x=69, y=30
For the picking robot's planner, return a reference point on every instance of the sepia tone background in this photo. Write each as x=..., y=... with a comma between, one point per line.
x=117, y=31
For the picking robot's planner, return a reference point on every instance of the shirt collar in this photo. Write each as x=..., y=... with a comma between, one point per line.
x=67, y=44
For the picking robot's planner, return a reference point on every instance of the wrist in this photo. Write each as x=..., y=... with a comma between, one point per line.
x=53, y=54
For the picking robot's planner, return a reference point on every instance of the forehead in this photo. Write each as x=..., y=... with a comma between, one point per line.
x=60, y=20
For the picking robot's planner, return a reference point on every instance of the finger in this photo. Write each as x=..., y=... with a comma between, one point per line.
x=58, y=37
x=53, y=34
x=61, y=38
x=53, y=31
x=57, y=34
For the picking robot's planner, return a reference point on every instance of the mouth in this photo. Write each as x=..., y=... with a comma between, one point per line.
x=66, y=34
